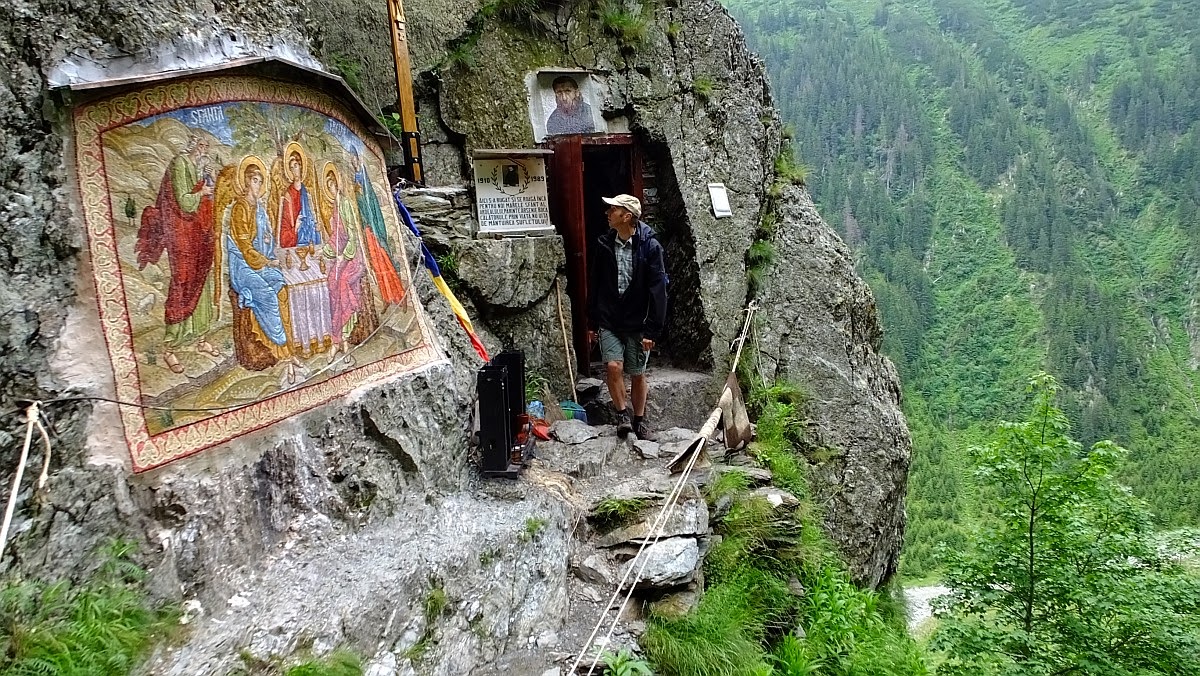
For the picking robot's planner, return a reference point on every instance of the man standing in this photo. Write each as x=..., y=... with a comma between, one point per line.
x=572, y=115
x=627, y=305
x=181, y=223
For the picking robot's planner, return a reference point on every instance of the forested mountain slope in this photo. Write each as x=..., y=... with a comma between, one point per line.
x=1021, y=182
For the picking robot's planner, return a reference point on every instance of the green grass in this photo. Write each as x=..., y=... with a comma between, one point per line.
x=624, y=20
x=612, y=512
x=788, y=169
x=704, y=87
x=534, y=526
x=435, y=606
x=340, y=662
x=759, y=259
x=772, y=571
x=535, y=384
x=102, y=627
x=729, y=483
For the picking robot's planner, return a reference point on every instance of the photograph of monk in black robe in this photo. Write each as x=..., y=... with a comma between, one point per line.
x=572, y=115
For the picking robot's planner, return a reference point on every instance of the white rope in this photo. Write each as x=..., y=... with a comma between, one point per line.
x=660, y=522
x=31, y=421
x=668, y=509
x=46, y=460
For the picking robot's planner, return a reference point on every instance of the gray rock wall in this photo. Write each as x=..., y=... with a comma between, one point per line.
x=820, y=329
x=511, y=287
x=700, y=103
x=328, y=472
x=697, y=99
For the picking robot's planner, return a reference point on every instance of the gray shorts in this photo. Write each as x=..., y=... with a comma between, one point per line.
x=626, y=349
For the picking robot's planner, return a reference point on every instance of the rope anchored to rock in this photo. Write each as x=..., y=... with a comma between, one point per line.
x=33, y=418
x=726, y=408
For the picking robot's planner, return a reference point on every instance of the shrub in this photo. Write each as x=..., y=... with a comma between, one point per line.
x=1065, y=575
x=349, y=69
x=624, y=664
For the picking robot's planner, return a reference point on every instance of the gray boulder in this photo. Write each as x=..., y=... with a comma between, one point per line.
x=668, y=563
x=689, y=517
x=595, y=569
x=646, y=449
x=572, y=431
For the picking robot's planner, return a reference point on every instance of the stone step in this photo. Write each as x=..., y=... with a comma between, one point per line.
x=677, y=398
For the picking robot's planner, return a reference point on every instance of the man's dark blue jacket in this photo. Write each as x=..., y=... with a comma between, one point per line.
x=642, y=309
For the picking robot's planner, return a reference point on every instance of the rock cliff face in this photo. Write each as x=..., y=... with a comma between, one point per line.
x=821, y=331
x=692, y=94
x=395, y=459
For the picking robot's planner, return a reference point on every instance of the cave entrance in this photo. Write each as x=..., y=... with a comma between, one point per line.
x=584, y=169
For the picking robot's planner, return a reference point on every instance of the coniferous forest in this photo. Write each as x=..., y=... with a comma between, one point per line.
x=1020, y=181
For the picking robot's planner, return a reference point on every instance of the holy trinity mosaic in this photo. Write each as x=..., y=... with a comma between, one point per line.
x=248, y=259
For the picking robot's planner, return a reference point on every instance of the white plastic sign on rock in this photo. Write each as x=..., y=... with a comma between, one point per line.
x=720, y=200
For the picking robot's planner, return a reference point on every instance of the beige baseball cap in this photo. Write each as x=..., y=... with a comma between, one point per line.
x=627, y=202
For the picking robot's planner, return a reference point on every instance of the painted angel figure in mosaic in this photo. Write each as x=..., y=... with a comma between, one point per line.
x=299, y=233
x=257, y=288
x=349, y=296
x=375, y=236
x=297, y=217
x=181, y=223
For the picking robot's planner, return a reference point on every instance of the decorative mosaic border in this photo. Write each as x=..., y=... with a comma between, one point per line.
x=91, y=120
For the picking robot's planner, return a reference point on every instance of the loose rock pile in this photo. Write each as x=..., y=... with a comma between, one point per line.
x=625, y=486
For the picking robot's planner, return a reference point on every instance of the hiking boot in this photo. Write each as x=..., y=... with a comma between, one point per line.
x=623, y=425
x=643, y=431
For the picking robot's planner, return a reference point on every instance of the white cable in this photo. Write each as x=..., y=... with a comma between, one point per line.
x=41, y=483
x=668, y=508
x=658, y=523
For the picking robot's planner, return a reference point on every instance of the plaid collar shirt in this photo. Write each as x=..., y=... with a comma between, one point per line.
x=624, y=252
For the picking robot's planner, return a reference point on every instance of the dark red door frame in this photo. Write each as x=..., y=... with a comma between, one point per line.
x=567, y=210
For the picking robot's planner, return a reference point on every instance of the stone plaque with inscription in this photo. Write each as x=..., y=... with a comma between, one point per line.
x=510, y=193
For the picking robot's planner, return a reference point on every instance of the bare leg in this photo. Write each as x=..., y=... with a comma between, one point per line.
x=638, y=392
x=616, y=384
